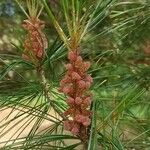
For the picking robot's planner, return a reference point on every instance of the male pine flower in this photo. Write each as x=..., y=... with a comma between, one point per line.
x=35, y=42
x=75, y=85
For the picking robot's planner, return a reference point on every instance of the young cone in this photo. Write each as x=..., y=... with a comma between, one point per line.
x=75, y=85
x=35, y=42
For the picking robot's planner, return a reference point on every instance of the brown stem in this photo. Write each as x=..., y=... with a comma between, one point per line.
x=43, y=81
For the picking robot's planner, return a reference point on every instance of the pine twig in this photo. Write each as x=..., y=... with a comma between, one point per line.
x=43, y=81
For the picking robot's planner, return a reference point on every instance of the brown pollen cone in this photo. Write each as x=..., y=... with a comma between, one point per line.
x=75, y=85
x=35, y=42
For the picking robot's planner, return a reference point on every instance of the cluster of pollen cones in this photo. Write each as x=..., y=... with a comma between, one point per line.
x=35, y=42
x=75, y=85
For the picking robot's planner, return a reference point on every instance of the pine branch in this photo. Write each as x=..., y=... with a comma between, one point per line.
x=43, y=81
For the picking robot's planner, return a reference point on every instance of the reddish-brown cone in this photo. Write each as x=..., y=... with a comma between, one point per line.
x=75, y=85
x=35, y=42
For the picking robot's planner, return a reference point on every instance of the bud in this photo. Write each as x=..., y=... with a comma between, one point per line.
x=75, y=76
x=69, y=67
x=86, y=65
x=79, y=118
x=87, y=85
x=72, y=56
x=86, y=121
x=75, y=130
x=67, y=89
x=89, y=78
x=87, y=101
x=70, y=101
x=82, y=84
x=78, y=62
x=39, y=54
x=78, y=100
x=65, y=80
